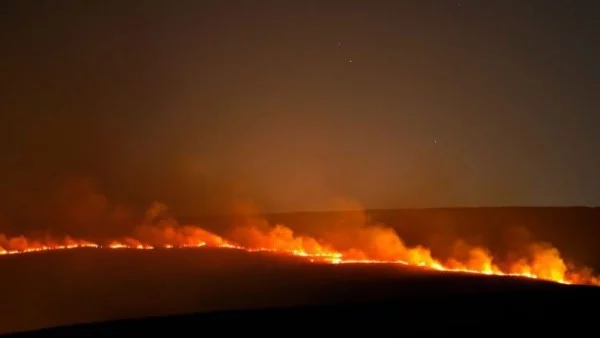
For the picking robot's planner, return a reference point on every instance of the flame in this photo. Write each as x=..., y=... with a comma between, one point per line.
x=379, y=245
x=21, y=244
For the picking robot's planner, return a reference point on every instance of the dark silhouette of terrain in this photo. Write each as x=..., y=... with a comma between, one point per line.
x=509, y=312
x=271, y=295
x=231, y=291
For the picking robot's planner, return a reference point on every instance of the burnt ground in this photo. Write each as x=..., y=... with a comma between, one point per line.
x=270, y=295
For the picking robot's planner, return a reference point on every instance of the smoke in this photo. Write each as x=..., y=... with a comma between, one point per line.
x=80, y=204
x=254, y=231
x=160, y=229
x=72, y=205
x=352, y=234
x=356, y=236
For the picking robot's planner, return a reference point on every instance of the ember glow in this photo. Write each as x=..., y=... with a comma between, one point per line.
x=377, y=245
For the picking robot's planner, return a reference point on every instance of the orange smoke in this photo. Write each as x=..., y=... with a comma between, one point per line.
x=358, y=242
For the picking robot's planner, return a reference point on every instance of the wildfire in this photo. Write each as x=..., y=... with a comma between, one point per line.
x=383, y=247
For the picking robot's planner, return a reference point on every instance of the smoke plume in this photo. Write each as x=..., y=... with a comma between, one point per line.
x=352, y=236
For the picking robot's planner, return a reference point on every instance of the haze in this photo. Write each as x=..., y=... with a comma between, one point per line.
x=198, y=104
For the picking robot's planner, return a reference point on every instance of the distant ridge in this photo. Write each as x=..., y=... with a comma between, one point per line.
x=405, y=209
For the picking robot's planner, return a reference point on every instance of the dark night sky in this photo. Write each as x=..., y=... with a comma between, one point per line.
x=197, y=103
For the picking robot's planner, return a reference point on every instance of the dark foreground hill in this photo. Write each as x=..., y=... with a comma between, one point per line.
x=501, y=312
x=271, y=295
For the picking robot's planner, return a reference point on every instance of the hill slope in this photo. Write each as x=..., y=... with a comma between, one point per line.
x=92, y=286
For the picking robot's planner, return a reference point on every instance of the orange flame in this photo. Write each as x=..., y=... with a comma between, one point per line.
x=379, y=245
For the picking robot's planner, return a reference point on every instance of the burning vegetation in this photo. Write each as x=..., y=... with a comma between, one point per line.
x=363, y=243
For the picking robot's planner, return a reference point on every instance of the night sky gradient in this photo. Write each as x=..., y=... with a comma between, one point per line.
x=199, y=103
